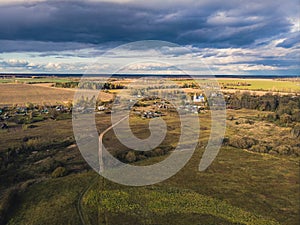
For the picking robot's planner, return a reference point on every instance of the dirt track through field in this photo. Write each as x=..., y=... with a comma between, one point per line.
x=80, y=198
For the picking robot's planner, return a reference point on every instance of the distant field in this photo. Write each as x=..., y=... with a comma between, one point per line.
x=269, y=85
x=262, y=85
x=22, y=93
x=36, y=80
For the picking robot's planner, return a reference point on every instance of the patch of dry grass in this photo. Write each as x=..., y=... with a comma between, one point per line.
x=11, y=94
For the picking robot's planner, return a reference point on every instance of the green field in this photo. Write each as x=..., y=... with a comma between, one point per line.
x=35, y=80
x=268, y=85
x=240, y=187
x=152, y=204
x=263, y=85
x=45, y=180
x=289, y=85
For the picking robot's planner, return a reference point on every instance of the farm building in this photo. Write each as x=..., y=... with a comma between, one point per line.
x=198, y=98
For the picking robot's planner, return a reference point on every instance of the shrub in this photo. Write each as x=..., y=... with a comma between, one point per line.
x=8, y=199
x=225, y=141
x=259, y=148
x=296, y=115
x=231, y=118
x=158, y=152
x=32, y=144
x=25, y=139
x=251, y=122
x=273, y=152
x=283, y=150
x=296, y=131
x=285, y=119
x=130, y=157
x=242, y=142
x=53, y=113
x=141, y=157
x=59, y=172
x=24, y=127
x=296, y=150
x=29, y=105
x=47, y=165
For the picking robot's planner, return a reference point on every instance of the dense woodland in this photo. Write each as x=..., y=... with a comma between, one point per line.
x=90, y=85
x=286, y=108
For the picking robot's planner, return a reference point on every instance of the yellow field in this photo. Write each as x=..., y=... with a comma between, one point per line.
x=288, y=86
x=38, y=94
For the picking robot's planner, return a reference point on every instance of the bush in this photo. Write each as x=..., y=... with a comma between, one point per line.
x=32, y=144
x=130, y=157
x=59, y=172
x=296, y=150
x=53, y=113
x=242, y=142
x=158, y=152
x=285, y=119
x=284, y=150
x=259, y=148
x=8, y=199
x=47, y=165
x=296, y=131
x=273, y=152
x=225, y=141
x=230, y=118
x=251, y=122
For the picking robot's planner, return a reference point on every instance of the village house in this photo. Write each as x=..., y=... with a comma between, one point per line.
x=101, y=108
x=198, y=98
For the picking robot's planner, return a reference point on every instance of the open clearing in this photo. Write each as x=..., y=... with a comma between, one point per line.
x=23, y=93
x=239, y=187
x=11, y=94
x=34, y=80
x=263, y=85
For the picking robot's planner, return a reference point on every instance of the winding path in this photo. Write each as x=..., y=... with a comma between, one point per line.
x=79, y=201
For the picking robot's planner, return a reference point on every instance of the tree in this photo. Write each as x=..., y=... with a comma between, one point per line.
x=130, y=157
x=59, y=172
x=296, y=131
x=69, y=105
x=296, y=115
x=285, y=119
x=29, y=105
x=53, y=113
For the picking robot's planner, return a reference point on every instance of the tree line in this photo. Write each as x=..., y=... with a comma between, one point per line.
x=285, y=108
x=90, y=85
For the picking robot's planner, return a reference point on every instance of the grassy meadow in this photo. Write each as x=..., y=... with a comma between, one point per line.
x=45, y=180
x=35, y=80
x=240, y=187
x=252, y=188
x=263, y=85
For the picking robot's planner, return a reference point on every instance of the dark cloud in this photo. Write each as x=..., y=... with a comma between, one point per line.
x=291, y=41
x=32, y=46
x=80, y=24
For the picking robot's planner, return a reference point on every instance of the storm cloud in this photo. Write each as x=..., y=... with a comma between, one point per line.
x=208, y=23
x=231, y=35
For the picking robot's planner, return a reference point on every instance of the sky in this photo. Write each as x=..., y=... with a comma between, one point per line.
x=222, y=37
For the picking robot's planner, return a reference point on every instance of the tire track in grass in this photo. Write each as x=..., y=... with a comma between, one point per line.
x=79, y=201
